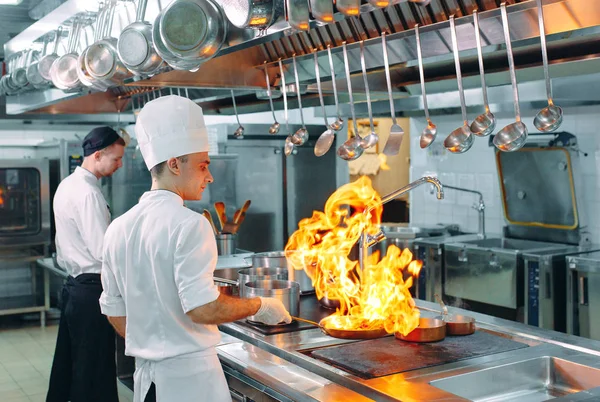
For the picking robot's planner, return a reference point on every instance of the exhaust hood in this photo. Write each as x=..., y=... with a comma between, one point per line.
x=572, y=29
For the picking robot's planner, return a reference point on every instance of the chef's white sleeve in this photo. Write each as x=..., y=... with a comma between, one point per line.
x=111, y=300
x=195, y=262
x=93, y=219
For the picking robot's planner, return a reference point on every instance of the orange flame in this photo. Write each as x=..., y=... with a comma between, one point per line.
x=375, y=298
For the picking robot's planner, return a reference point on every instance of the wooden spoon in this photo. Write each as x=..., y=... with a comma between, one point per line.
x=221, y=215
x=208, y=216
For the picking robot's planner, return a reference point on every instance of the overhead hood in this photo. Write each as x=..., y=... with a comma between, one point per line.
x=572, y=30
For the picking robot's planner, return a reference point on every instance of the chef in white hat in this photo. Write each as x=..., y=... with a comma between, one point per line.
x=158, y=263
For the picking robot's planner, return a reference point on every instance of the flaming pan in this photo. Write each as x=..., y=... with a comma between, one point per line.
x=346, y=333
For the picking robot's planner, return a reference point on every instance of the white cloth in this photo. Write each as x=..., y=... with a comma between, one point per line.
x=158, y=264
x=169, y=127
x=188, y=378
x=81, y=215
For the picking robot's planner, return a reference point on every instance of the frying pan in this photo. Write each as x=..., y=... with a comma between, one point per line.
x=46, y=62
x=429, y=330
x=64, y=69
x=345, y=333
x=456, y=324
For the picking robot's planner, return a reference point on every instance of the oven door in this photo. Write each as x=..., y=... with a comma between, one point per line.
x=24, y=202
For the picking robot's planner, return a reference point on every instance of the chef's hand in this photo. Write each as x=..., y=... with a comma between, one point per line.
x=272, y=312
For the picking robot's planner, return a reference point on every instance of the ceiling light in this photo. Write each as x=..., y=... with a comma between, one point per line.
x=10, y=2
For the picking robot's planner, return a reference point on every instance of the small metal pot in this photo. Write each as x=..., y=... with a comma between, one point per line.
x=189, y=32
x=248, y=275
x=429, y=330
x=285, y=291
x=33, y=74
x=226, y=243
x=135, y=46
x=45, y=63
x=253, y=14
x=459, y=325
x=329, y=304
x=277, y=259
x=64, y=69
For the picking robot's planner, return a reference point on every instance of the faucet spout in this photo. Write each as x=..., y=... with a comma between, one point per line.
x=365, y=241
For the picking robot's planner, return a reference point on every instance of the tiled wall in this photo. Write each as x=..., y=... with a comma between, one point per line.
x=476, y=169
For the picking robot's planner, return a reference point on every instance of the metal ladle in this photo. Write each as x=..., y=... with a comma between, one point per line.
x=239, y=132
x=339, y=122
x=301, y=135
x=326, y=139
x=461, y=139
x=428, y=134
x=350, y=149
x=371, y=139
x=513, y=136
x=274, y=129
x=289, y=146
x=485, y=123
x=549, y=118
x=392, y=146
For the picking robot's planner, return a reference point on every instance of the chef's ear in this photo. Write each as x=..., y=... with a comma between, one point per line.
x=174, y=165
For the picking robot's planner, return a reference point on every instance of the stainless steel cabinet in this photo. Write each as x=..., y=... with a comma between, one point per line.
x=583, y=298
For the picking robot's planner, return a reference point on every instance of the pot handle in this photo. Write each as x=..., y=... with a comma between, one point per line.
x=226, y=281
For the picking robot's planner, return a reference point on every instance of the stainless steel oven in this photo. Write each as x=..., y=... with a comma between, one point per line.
x=24, y=202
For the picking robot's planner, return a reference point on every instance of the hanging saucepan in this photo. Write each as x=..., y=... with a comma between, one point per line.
x=135, y=46
x=64, y=69
x=102, y=58
x=189, y=32
x=19, y=76
x=99, y=32
x=5, y=84
x=254, y=14
x=45, y=63
x=344, y=333
x=33, y=73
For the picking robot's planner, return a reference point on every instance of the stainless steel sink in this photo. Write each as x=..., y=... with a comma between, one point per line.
x=512, y=244
x=534, y=380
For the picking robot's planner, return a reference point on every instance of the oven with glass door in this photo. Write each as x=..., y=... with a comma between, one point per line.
x=24, y=203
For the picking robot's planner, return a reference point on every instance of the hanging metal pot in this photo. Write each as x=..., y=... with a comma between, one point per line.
x=33, y=73
x=189, y=32
x=253, y=14
x=135, y=46
x=45, y=63
x=102, y=58
x=99, y=32
x=64, y=69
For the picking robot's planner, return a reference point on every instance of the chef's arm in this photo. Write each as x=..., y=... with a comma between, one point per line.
x=225, y=309
x=119, y=324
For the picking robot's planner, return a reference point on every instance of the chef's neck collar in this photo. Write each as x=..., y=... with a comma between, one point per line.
x=163, y=193
x=87, y=175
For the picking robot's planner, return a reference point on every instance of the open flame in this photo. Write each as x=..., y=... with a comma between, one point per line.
x=373, y=298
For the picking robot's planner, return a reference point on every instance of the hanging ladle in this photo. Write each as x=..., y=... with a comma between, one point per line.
x=549, y=118
x=274, y=129
x=350, y=149
x=428, y=134
x=513, y=136
x=339, y=122
x=288, y=148
x=461, y=139
x=239, y=132
x=326, y=139
x=392, y=146
x=485, y=123
x=301, y=135
x=371, y=139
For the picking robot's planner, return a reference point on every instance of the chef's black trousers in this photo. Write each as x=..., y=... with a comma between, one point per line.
x=84, y=366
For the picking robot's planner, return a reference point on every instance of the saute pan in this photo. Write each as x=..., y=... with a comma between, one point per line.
x=345, y=333
x=456, y=325
x=429, y=330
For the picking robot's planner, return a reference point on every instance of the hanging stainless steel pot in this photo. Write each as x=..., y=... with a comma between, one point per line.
x=102, y=58
x=33, y=73
x=189, y=32
x=64, y=69
x=253, y=14
x=19, y=76
x=99, y=32
x=45, y=63
x=135, y=46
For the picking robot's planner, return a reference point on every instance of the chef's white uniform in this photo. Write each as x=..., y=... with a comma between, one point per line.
x=158, y=264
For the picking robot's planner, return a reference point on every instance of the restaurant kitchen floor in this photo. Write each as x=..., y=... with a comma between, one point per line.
x=26, y=353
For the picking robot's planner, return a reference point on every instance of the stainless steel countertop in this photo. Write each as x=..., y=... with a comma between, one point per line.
x=277, y=362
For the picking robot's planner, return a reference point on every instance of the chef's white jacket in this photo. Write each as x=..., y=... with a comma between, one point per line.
x=158, y=264
x=81, y=215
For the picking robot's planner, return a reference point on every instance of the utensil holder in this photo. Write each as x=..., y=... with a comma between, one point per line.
x=226, y=243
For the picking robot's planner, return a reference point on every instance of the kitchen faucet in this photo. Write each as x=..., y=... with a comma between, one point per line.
x=366, y=240
x=479, y=207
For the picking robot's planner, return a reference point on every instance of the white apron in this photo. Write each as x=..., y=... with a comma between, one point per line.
x=192, y=377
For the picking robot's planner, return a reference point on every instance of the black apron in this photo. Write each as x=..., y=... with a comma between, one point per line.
x=84, y=366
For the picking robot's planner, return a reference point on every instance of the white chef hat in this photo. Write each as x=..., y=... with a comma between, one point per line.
x=169, y=127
